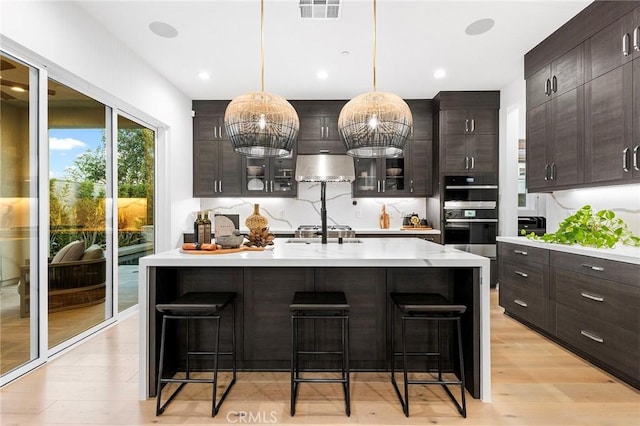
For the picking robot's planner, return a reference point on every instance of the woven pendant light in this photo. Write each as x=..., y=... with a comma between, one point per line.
x=261, y=124
x=375, y=124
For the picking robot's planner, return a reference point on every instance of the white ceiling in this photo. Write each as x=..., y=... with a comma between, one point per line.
x=414, y=37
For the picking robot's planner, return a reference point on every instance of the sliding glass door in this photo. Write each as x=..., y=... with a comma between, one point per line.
x=79, y=187
x=18, y=214
x=136, y=185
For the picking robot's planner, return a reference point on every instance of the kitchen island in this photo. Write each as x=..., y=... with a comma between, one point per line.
x=367, y=270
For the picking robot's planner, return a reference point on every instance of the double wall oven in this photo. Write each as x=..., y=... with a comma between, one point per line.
x=470, y=214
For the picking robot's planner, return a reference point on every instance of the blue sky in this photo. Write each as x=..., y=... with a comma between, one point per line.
x=66, y=144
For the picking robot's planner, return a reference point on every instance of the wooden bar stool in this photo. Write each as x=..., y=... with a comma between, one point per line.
x=319, y=306
x=190, y=307
x=427, y=307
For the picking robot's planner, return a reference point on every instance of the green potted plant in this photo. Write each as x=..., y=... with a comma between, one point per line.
x=586, y=228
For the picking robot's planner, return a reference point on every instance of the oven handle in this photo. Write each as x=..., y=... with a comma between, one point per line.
x=472, y=220
x=471, y=187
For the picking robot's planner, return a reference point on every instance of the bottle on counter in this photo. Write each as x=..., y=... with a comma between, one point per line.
x=384, y=218
x=206, y=229
x=198, y=229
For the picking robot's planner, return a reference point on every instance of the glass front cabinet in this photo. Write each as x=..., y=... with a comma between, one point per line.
x=382, y=177
x=269, y=177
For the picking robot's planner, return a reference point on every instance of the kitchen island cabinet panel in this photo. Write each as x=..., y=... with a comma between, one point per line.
x=366, y=291
x=267, y=280
x=268, y=294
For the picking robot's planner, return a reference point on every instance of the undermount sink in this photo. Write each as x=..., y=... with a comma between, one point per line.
x=318, y=240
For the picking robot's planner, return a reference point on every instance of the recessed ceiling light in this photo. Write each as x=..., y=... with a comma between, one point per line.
x=345, y=53
x=322, y=75
x=480, y=26
x=440, y=73
x=203, y=75
x=163, y=29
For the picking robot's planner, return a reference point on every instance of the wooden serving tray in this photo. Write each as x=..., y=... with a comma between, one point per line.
x=223, y=251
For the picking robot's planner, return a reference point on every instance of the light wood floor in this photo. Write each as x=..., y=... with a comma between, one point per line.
x=535, y=382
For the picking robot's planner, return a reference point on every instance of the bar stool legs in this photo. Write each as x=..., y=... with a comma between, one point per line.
x=437, y=315
x=323, y=306
x=189, y=313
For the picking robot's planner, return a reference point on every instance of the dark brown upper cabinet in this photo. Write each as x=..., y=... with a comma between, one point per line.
x=555, y=142
x=319, y=127
x=556, y=78
x=468, y=139
x=216, y=167
x=581, y=102
x=614, y=46
x=636, y=114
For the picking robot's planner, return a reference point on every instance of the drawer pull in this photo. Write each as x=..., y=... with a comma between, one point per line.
x=592, y=296
x=593, y=268
x=524, y=253
x=592, y=336
x=522, y=274
x=521, y=303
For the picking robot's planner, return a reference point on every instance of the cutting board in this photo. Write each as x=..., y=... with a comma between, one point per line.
x=223, y=251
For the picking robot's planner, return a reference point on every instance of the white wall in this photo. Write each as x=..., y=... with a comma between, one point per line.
x=76, y=50
x=512, y=128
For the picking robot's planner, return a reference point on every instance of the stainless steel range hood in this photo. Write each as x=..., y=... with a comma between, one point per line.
x=324, y=168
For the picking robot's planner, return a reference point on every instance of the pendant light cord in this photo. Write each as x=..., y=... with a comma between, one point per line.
x=375, y=31
x=262, y=45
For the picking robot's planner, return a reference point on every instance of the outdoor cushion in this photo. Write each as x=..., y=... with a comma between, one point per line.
x=93, y=252
x=69, y=253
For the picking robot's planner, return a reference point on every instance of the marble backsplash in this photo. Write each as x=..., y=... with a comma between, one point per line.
x=289, y=213
x=623, y=200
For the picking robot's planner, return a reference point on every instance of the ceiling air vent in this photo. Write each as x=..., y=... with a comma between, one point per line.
x=319, y=9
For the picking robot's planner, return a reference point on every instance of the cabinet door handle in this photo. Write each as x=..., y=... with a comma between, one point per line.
x=219, y=186
x=215, y=186
x=522, y=274
x=521, y=252
x=593, y=268
x=592, y=336
x=327, y=132
x=635, y=157
x=473, y=125
x=473, y=163
x=547, y=87
x=466, y=163
x=521, y=303
x=625, y=45
x=554, y=84
x=592, y=296
x=625, y=162
x=553, y=171
x=546, y=172
x=466, y=125
x=378, y=186
x=636, y=39
x=411, y=185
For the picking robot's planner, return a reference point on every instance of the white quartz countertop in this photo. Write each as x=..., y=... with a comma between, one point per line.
x=619, y=253
x=369, y=252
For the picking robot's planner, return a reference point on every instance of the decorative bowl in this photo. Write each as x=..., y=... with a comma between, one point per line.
x=230, y=241
x=255, y=170
x=394, y=171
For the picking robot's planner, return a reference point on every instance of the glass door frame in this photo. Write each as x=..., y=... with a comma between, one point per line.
x=42, y=70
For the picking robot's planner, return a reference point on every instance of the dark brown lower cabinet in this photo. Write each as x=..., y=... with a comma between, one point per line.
x=587, y=304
